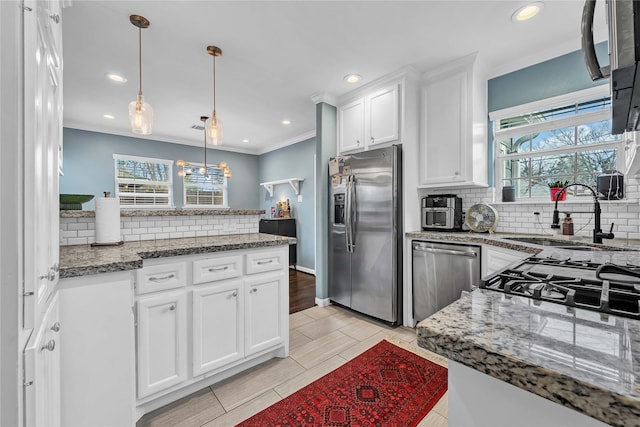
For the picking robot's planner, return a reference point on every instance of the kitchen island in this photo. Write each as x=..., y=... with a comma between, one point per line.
x=579, y=359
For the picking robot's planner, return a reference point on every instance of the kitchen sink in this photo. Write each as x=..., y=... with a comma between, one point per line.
x=566, y=244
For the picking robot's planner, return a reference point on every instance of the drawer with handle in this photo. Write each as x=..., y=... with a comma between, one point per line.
x=220, y=268
x=260, y=262
x=160, y=277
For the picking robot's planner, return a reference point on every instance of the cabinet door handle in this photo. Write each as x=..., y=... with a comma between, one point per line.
x=226, y=267
x=55, y=18
x=357, y=142
x=51, y=345
x=156, y=279
x=234, y=294
x=50, y=276
x=265, y=262
x=56, y=327
x=372, y=140
x=172, y=307
x=253, y=290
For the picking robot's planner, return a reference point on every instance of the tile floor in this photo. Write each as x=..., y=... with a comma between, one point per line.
x=321, y=339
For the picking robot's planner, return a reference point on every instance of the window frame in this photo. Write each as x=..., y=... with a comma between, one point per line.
x=169, y=184
x=195, y=167
x=559, y=123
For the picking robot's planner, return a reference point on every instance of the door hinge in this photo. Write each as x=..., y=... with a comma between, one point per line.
x=28, y=294
x=27, y=384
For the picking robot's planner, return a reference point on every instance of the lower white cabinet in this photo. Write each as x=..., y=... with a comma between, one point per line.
x=264, y=311
x=162, y=341
x=218, y=325
x=232, y=313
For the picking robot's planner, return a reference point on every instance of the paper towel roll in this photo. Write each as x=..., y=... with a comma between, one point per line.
x=107, y=220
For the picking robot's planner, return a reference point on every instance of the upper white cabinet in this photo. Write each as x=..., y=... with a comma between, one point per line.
x=453, y=139
x=371, y=120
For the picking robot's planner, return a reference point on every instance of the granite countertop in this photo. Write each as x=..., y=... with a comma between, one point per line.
x=83, y=260
x=573, y=357
x=164, y=212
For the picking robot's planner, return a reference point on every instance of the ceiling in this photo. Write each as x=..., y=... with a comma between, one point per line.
x=277, y=54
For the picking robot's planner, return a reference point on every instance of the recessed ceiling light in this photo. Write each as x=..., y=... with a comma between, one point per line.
x=527, y=11
x=109, y=116
x=116, y=78
x=352, y=78
x=286, y=122
x=245, y=140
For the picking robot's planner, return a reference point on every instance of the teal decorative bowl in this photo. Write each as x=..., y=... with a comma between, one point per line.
x=73, y=201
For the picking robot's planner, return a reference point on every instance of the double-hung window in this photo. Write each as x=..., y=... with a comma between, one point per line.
x=208, y=190
x=143, y=182
x=566, y=138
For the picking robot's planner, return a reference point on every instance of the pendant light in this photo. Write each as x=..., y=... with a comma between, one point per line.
x=185, y=170
x=140, y=113
x=213, y=125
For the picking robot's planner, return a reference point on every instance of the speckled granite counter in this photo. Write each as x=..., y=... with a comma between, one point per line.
x=83, y=260
x=572, y=357
x=164, y=212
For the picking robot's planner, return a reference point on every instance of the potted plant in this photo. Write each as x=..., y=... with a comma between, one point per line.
x=555, y=187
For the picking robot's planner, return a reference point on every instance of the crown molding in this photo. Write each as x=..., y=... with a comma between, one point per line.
x=291, y=141
x=325, y=97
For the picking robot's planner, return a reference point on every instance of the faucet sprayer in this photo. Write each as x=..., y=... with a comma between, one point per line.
x=598, y=235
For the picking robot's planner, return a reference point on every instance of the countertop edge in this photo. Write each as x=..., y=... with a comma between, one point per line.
x=165, y=212
x=469, y=237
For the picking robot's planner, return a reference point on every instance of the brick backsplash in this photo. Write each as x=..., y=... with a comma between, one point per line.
x=82, y=231
x=519, y=217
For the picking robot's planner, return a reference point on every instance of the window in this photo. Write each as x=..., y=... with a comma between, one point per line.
x=204, y=190
x=143, y=182
x=567, y=138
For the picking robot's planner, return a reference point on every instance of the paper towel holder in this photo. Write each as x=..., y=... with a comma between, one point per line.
x=121, y=242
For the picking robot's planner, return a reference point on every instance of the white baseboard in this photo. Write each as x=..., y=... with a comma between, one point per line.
x=323, y=302
x=305, y=270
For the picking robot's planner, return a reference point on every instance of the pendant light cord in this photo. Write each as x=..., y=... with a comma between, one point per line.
x=214, y=87
x=140, y=58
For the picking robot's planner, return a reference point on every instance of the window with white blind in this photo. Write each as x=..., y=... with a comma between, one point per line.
x=566, y=138
x=204, y=190
x=143, y=182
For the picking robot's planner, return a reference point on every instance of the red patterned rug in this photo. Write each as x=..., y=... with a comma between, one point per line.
x=384, y=386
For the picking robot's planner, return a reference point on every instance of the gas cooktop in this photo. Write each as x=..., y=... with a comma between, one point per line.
x=605, y=288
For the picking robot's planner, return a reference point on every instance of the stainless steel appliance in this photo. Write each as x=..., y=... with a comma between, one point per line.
x=624, y=54
x=442, y=212
x=365, y=233
x=605, y=288
x=441, y=271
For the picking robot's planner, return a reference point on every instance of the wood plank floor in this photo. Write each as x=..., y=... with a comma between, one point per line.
x=302, y=291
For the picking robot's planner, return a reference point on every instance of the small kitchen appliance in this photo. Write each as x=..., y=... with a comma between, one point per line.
x=610, y=185
x=442, y=212
x=605, y=288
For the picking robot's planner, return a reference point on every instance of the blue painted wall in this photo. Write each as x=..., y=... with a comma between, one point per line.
x=88, y=165
x=293, y=161
x=557, y=76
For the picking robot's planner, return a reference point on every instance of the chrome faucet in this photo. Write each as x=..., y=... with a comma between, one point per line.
x=598, y=235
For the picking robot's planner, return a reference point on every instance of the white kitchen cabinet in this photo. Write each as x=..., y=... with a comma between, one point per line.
x=162, y=341
x=495, y=258
x=264, y=311
x=98, y=356
x=371, y=120
x=159, y=275
x=218, y=325
x=42, y=371
x=453, y=139
x=42, y=142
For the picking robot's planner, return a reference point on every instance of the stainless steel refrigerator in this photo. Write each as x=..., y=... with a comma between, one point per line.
x=365, y=232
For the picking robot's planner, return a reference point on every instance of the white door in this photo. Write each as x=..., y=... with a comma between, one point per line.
x=43, y=136
x=42, y=372
x=383, y=116
x=264, y=310
x=162, y=341
x=218, y=325
x=351, y=126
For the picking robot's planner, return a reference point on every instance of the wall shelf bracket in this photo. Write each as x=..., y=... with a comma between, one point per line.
x=294, y=182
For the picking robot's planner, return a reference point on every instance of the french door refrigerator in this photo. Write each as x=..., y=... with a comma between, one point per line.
x=365, y=232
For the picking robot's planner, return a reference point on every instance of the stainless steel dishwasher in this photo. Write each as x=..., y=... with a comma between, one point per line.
x=441, y=271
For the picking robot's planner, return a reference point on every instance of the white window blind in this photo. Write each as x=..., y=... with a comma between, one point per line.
x=208, y=190
x=569, y=140
x=143, y=182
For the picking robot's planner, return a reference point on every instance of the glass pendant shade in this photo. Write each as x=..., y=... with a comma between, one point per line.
x=141, y=116
x=213, y=127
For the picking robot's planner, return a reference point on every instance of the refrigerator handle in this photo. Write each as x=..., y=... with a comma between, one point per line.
x=347, y=214
x=352, y=215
